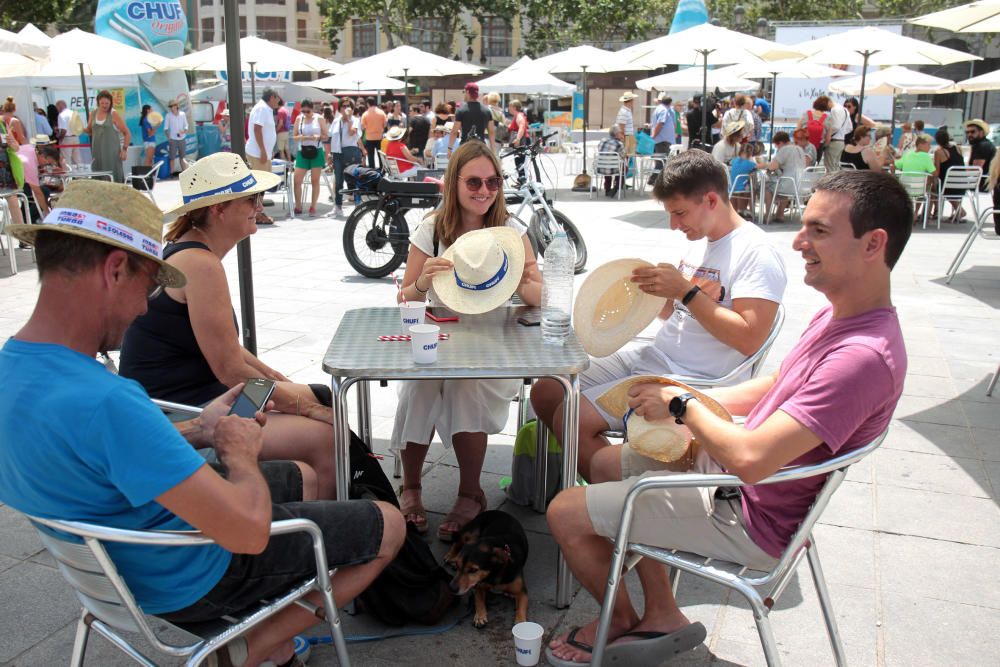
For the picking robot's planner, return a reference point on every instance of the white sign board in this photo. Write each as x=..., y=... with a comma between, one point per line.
x=793, y=97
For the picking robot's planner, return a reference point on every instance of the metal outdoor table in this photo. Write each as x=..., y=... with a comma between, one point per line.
x=488, y=346
x=86, y=172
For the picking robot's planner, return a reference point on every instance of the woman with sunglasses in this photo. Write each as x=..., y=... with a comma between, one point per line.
x=186, y=347
x=309, y=133
x=464, y=412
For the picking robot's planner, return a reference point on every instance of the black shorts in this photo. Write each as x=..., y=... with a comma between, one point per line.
x=352, y=534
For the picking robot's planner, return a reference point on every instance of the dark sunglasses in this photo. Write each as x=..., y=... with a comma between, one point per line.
x=474, y=183
x=256, y=199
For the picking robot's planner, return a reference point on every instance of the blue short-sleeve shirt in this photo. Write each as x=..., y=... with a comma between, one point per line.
x=80, y=443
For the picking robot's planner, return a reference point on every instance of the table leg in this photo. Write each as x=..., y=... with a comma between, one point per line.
x=541, y=466
x=571, y=431
x=341, y=436
x=364, y=412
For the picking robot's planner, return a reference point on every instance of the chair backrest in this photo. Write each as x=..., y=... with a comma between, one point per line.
x=608, y=160
x=390, y=166
x=809, y=177
x=914, y=182
x=847, y=165
x=962, y=178
x=440, y=160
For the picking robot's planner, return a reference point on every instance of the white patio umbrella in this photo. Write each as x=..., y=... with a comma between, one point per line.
x=692, y=79
x=706, y=45
x=257, y=54
x=289, y=92
x=525, y=77
x=874, y=46
x=406, y=61
x=983, y=16
x=355, y=80
x=894, y=80
x=988, y=81
x=34, y=39
x=582, y=60
x=13, y=53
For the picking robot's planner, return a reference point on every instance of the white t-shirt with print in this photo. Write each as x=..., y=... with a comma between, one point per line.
x=741, y=265
x=423, y=240
x=262, y=114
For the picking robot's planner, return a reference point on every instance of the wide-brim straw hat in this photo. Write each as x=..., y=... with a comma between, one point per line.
x=154, y=118
x=110, y=213
x=663, y=440
x=488, y=264
x=41, y=140
x=395, y=133
x=981, y=124
x=627, y=97
x=610, y=309
x=218, y=178
x=734, y=126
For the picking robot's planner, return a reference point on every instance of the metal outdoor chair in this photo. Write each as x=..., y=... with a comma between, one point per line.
x=110, y=608
x=993, y=382
x=5, y=220
x=440, y=160
x=807, y=182
x=649, y=165
x=961, y=181
x=609, y=164
x=974, y=232
x=143, y=179
x=847, y=165
x=734, y=575
x=917, y=186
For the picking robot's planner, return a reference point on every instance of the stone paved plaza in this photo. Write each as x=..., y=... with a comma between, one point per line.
x=910, y=543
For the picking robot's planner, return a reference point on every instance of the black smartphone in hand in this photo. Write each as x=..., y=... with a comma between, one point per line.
x=253, y=398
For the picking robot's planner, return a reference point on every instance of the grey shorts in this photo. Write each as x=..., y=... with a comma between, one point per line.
x=176, y=148
x=689, y=519
x=352, y=534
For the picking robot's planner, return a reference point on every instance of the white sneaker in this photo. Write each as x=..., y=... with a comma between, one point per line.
x=338, y=212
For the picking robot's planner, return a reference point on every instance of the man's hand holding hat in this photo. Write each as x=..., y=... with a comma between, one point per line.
x=663, y=280
x=651, y=401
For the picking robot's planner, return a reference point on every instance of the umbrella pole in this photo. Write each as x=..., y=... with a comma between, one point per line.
x=406, y=88
x=864, y=74
x=892, y=120
x=253, y=83
x=582, y=182
x=986, y=96
x=234, y=79
x=774, y=95
x=705, y=130
x=86, y=99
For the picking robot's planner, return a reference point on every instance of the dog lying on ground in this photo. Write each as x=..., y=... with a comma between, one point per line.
x=489, y=555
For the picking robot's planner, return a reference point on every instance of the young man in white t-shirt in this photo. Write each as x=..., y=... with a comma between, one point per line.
x=723, y=296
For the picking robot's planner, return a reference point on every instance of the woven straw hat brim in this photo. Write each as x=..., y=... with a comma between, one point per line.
x=265, y=181
x=469, y=302
x=615, y=400
x=642, y=308
x=105, y=199
x=663, y=441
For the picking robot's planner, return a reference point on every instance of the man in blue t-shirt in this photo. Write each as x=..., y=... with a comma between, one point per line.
x=79, y=443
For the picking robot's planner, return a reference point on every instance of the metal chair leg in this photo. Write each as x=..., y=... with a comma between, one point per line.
x=763, y=621
x=825, y=604
x=993, y=382
x=541, y=466
x=80, y=641
x=977, y=227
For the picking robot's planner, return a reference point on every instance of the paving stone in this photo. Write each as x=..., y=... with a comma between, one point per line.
x=957, y=572
x=17, y=538
x=851, y=506
x=933, y=410
x=931, y=472
x=982, y=415
x=942, y=516
x=924, y=631
x=847, y=556
x=37, y=603
x=928, y=438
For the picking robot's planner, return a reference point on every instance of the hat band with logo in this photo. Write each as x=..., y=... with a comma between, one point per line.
x=235, y=188
x=109, y=229
x=497, y=277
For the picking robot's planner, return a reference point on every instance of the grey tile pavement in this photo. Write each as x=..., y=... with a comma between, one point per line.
x=910, y=543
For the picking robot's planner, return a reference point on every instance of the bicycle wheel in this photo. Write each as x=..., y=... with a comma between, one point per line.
x=541, y=235
x=375, y=240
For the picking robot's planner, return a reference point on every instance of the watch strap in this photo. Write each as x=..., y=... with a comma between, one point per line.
x=692, y=293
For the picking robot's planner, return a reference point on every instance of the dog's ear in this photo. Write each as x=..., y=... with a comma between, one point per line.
x=502, y=554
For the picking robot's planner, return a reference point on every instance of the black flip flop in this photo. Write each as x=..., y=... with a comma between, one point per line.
x=571, y=639
x=652, y=648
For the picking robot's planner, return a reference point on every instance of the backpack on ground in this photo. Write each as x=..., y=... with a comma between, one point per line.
x=521, y=489
x=815, y=127
x=413, y=588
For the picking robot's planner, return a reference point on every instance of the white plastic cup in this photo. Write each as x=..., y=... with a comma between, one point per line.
x=411, y=313
x=424, y=341
x=528, y=642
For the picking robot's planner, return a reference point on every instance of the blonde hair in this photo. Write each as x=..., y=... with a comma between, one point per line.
x=493, y=98
x=449, y=217
x=8, y=105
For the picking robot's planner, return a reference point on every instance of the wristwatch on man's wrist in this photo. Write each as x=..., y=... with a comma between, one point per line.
x=678, y=406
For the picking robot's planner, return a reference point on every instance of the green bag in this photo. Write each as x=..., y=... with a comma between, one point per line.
x=16, y=166
x=521, y=489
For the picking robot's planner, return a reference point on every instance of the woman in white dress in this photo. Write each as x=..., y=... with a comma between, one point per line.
x=463, y=412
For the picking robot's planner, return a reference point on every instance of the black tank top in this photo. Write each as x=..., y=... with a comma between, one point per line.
x=161, y=352
x=954, y=160
x=857, y=159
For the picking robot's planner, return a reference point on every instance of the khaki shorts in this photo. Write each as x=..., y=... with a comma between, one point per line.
x=630, y=144
x=689, y=519
x=281, y=143
x=259, y=165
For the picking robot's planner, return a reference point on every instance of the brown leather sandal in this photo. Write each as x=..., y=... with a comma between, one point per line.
x=414, y=512
x=447, y=535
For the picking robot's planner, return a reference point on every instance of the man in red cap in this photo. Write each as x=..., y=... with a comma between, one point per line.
x=472, y=120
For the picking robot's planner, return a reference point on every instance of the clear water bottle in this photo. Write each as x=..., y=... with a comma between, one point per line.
x=557, y=289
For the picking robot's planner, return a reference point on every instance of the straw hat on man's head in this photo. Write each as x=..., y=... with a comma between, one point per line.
x=108, y=213
x=981, y=124
x=488, y=264
x=627, y=97
x=661, y=440
x=610, y=309
x=218, y=178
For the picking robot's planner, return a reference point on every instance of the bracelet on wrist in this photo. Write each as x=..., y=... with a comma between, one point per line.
x=416, y=286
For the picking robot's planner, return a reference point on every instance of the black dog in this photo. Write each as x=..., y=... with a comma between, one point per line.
x=489, y=554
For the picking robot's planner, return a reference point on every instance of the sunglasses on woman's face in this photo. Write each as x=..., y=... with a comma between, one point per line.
x=256, y=199
x=474, y=183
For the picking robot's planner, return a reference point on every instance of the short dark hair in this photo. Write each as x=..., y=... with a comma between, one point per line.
x=692, y=174
x=306, y=103
x=268, y=94
x=918, y=125
x=105, y=94
x=822, y=103
x=878, y=201
x=370, y=101
x=69, y=253
x=780, y=138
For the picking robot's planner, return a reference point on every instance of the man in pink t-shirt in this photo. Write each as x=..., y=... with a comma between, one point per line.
x=834, y=392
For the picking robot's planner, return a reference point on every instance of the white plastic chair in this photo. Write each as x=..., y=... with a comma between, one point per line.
x=965, y=179
x=735, y=575
x=573, y=164
x=917, y=186
x=609, y=164
x=6, y=220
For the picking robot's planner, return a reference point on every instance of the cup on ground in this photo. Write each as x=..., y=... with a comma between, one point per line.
x=528, y=642
x=410, y=314
x=424, y=341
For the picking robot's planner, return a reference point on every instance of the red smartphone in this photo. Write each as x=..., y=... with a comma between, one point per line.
x=439, y=314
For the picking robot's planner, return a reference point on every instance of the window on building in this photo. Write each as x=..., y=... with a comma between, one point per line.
x=302, y=6
x=222, y=27
x=206, y=3
x=270, y=2
x=362, y=38
x=303, y=31
x=207, y=35
x=272, y=28
x=496, y=37
x=432, y=34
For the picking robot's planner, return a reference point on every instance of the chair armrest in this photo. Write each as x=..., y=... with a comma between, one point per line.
x=169, y=406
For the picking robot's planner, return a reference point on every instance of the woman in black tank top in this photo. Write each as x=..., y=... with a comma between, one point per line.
x=186, y=348
x=946, y=156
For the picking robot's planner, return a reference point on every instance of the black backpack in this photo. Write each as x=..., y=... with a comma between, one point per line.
x=413, y=588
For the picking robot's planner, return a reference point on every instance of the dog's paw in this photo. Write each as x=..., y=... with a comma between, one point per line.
x=479, y=621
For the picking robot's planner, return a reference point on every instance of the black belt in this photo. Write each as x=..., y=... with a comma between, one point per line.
x=727, y=493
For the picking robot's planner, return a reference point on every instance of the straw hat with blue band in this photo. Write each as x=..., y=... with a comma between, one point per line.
x=488, y=264
x=218, y=178
x=109, y=213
